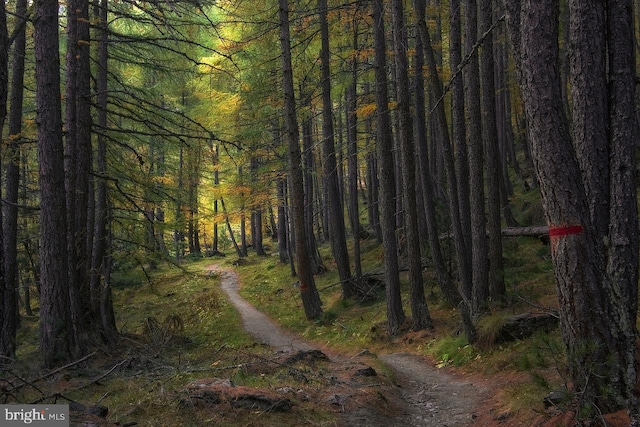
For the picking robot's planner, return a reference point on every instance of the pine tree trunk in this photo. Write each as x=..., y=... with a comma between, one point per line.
x=598, y=307
x=444, y=279
x=56, y=335
x=335, y=208
x=282, y=221
x=480, y=271
x=308, y=292
x=10, y=316
x=352, y=157
x=419, y=309
x=492, y=162
x=461, y=246
x=308, y=167
x=395, y=313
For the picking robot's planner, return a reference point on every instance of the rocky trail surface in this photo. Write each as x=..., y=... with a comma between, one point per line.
x=422, y=395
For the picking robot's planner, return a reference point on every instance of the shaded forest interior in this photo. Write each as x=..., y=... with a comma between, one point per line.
x=145, y=135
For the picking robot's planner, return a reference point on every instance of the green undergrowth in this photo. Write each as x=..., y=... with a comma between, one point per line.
x=351, y=326
x=176, y=327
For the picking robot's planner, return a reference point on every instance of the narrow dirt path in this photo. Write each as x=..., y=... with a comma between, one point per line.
x=424, y=395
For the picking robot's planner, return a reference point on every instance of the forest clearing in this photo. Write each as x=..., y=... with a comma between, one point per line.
x=323, y=212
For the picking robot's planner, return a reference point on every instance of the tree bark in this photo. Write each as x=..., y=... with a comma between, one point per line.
x=492, y=162
x=419, y=309
x=395, y=312
x=461, y=246
x=56, y=334
x=598, y=308
x=308, y=292
x=10, y=316
x=479, y=270
x=335, y=208
x=100, y=264
x=352, y=154
x=622, y=252
x=310, y=183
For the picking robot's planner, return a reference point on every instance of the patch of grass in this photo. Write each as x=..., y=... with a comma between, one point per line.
x=452, y=350
x=176, y=328
x=345, y=325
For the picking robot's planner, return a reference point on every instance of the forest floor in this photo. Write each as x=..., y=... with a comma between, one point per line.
x=420, y=394
x=425, y=395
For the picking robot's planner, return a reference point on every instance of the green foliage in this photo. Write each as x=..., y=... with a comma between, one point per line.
x=452, y=350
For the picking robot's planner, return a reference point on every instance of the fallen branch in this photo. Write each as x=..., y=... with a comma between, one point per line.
x=48, y=374
x=539, y=231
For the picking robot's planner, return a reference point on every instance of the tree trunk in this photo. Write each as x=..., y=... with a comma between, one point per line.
x=493, y=167
x=461, y=245
x=100, y=264
x=590, y=116
x=395, y=313
x=622, y=253
x=232, y=235
x=335, y=208
x=459, y=139
x=83, y=171
x=373, y=183
x=479, y=268
x=282, y=221
x=352, y=154
x=598, y=307
x=56, y=333
x=308, y=167
x=9, y=318
x=308, y=292
x=444, y=279
x=419, y=309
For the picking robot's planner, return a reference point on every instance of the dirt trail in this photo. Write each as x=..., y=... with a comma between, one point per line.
x=425, y=395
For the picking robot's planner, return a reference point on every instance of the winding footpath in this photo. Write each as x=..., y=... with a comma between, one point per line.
x=427, y=396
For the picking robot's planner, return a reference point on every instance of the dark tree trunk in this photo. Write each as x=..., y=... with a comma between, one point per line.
x=308, y=292
x=622, y=253
x=598, y=307
x=352, y=154
x=461, y=246
x=256, y=214
x=419, y=309
x=308, y=167
x=56, y=334
x=282, y=221
x=395, y=313
x=100, y=264
x=493, y=168
x=444, y=279
x=479, y=268
x=373, y=183
x=77, y=164
x=335, y=208
x=178, y=231
x=83, y=170
x=590, y=117
x=216, y=182
x=232, y=235
x=10, y=317
x=459, y=142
